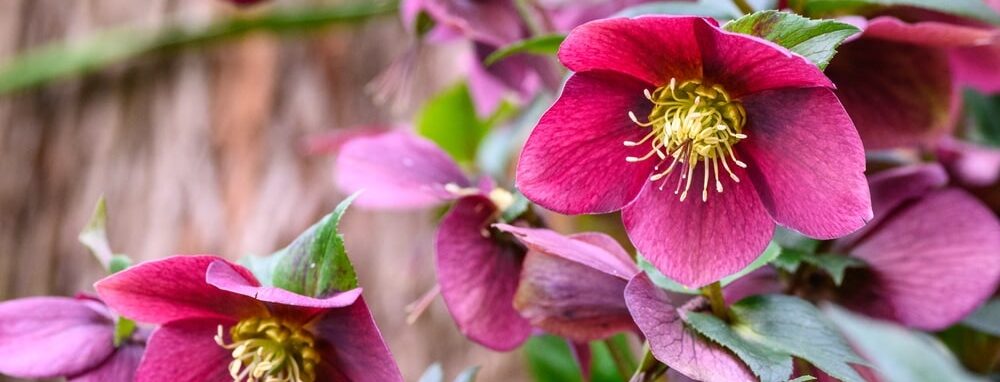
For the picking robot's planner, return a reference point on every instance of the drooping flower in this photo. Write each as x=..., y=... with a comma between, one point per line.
x=51, y=337
x=573, y=286
x=219, y=324
x=895, y=103
x=703, y=138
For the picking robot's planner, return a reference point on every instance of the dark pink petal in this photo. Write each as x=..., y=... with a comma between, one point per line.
x=578, y=249
x=673, y=343
x=478, y=275
x=976, y=67
x=574, y=160
x=696, y=242
x=970, y=164
x=173, y=289
x=571, y=299
x=397, y=170
x=350, y=344
x=186, y=351
x=582, y=356
x=930, y=33
x=653, y=49
x=495, y=22
x=806, y=161
x=745, y=64
x=45, y=337
x=893, y=102
x=119, y=367
x=521, y=75
x=931, y=263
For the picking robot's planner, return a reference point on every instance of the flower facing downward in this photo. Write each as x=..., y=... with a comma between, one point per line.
x=703, y=138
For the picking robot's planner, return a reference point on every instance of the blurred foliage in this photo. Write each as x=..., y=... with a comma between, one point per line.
x=550, y=359
x=449, y=119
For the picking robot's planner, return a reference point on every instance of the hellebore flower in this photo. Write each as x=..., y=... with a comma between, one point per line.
x=219, y=324
x=50, y=337
x=735, y=134
x=895, y=103
x=573, y=286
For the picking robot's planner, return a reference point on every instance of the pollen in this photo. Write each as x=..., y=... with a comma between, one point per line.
x=691, y=124
x=270, y=350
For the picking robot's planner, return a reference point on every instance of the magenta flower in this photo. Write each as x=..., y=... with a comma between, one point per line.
x=51, y=337
x=219, y=324
x=913, y=104
x=729, y=134
x=573, y=286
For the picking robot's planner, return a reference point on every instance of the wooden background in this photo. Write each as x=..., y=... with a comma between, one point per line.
x=200, y=151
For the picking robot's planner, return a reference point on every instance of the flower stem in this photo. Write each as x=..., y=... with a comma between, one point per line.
x=649, y=368
x=743, y=6
x=621, y=356
x=527, y=13
x=713, y=292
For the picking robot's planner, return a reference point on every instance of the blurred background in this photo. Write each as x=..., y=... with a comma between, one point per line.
x=201, y=146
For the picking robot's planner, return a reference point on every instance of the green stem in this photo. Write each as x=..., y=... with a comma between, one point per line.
x=621, y=356
x=649, y=368
x=527, y=13
x=743, y=6
x=713, y=292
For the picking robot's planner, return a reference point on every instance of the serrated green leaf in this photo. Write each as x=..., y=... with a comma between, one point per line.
x=976, y=9
x=767, y=364
x=816, y=40
x=123, y=330
x=986, y=319
x=833, y=264
x=899, y=354
x=794, y=326
x=316, y=263
x=449, y=120
x=434, y=373
x=717, y=9
x=468, y=375
x=770, y=253
x=541, y=45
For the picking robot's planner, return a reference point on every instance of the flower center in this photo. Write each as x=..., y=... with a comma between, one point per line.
x=691, y=123
x=267, y=349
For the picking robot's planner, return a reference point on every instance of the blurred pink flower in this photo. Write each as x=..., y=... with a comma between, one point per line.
x=756, y=129
x=219, y=324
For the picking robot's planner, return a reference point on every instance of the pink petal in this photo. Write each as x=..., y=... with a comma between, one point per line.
x=185, y=351
x=976, y=67
x=676, y=345
x=969, y=163
x=807, y=162
x=350, y=345
x=745, y=65
x=582, y=356
x=696, y=242
x=893, y=102
x=496, y=22
x=45, y=337
x=173, y=289
x=120, y=367
x=762, y=281
x=571, y=299
x=478, y=275
x=932, y=263
x=929, y=33
x=397, y=170
x=574, y=160
x=578, y=249
x=653, y=49
x=330, y=142
x=409, y=10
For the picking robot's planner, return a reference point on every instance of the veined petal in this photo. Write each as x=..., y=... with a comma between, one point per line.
x=173, y=289
x=931, y=263
x=46, y=337
x=574, y=160
x=806, y=161
x=673, y=343
x=119, y=367
x=478, y=275
x=653, y=49
x=350, y=344
x=696, y=242
x=578, y=248
x=397, y=170
x=185, y=351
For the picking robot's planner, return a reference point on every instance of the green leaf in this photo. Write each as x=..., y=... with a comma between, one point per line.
x=316, y=263
x=794, y=326
x=982, y=118
x=66, y=59
x=468, y=375
x=449, y=120
x=816, y=40
x=767, y=364
x=717, y=9
x=803, y=378
x=119, y=263
x=976, y=9
x=94, y=235
x=833, y=264
x=986, y=319
x=899, y=354
x=517, y=208
x=550, y=359
x=770, y=253
x=262, y=267
x=123, y=330
x=434, y=373
x=541, y=45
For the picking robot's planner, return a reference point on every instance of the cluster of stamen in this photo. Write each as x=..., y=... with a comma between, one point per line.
x=269, y=350
x=691, y=123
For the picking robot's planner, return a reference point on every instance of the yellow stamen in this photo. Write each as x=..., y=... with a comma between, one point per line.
x=695, y=124
x=270, y=350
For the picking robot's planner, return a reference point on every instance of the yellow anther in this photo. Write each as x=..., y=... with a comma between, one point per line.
x=268, y=349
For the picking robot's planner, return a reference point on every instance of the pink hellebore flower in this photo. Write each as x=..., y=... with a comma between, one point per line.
x=219, y=324
x=703, y=138
x=895, y=103
x=50, y=337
